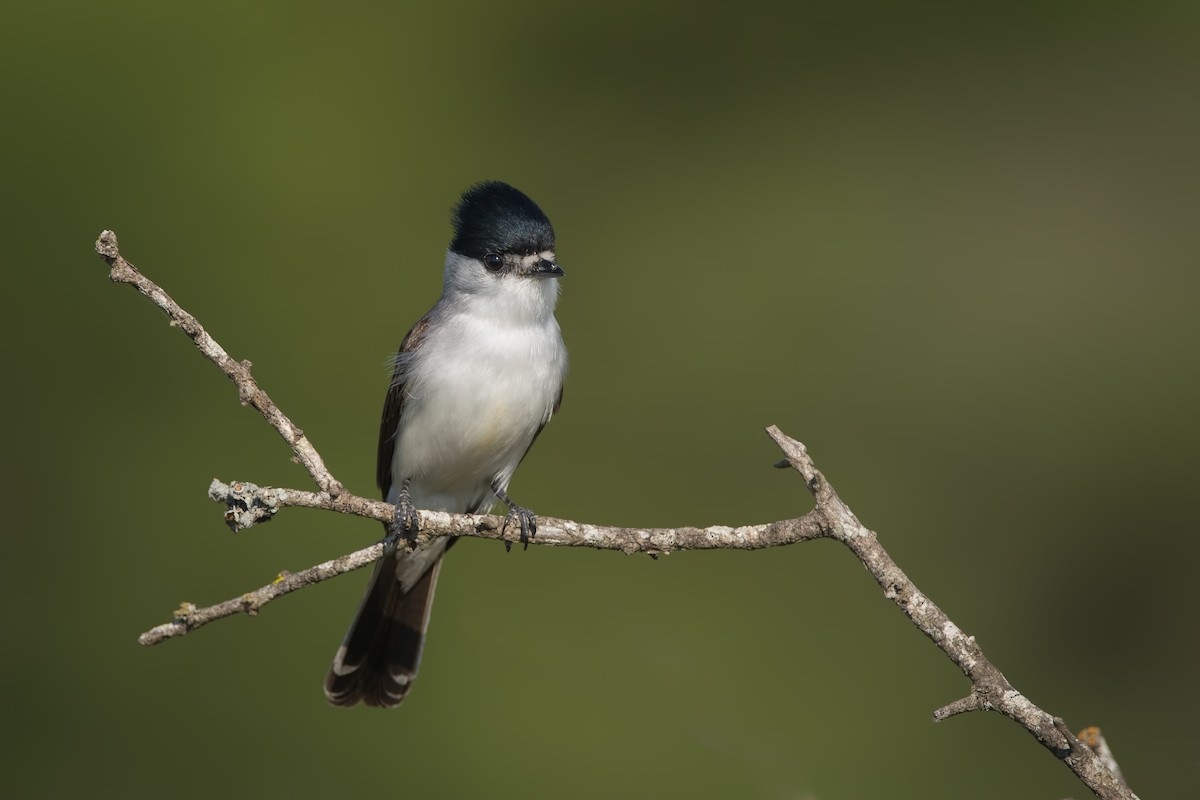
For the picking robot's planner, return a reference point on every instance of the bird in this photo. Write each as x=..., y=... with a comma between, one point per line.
x=475, y=381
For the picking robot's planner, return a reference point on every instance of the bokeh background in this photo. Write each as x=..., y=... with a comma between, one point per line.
x=952, y=249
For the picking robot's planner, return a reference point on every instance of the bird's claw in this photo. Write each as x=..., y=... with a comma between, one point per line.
x=527, y=521
x=524, y=517
x=406, y=522
x=406, y=516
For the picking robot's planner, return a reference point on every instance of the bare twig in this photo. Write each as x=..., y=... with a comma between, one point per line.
x=188, y=617
x=990, y=690
x=248, y=505
x=121, y=271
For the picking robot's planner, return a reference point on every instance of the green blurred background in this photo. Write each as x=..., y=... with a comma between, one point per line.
x=952, y=251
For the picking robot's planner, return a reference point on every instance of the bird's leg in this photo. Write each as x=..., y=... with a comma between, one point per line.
x=406, y=523
x=526, y=518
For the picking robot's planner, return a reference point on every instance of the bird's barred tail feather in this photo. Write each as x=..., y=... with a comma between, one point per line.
x=379, y=657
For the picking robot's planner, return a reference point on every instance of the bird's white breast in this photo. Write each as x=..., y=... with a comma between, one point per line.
x=482, y=387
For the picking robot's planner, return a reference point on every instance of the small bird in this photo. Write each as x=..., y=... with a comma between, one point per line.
x=474, y=383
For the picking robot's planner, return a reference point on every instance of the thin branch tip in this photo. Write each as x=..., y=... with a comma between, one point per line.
x=106, y=245
x=794, y=452
x=971, y=702
x=249, y=391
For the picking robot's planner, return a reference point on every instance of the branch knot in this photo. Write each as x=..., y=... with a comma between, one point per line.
x=246, y=504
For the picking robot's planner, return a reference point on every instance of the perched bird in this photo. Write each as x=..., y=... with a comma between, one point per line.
x=474, y=383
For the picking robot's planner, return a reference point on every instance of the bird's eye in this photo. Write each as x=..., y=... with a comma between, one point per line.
x=493, y=261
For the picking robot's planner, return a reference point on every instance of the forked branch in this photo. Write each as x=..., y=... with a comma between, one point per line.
x=247, y=505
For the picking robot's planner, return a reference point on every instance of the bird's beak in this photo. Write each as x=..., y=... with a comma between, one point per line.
x=546, y=268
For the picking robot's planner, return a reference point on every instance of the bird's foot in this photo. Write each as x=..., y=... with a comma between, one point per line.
x=520, y=515
x=406, y=522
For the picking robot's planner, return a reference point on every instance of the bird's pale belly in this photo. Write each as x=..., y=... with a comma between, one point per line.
x=452, y=465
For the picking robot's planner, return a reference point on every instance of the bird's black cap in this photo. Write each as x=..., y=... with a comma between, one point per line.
x=493, y=217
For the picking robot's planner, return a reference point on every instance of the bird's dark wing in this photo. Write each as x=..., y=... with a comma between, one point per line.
x=378, y=659
x=389, y=424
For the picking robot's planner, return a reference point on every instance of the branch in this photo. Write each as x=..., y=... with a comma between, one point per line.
x=248, y=505
x=990, y=690
x=188, y=617
x=121, y=271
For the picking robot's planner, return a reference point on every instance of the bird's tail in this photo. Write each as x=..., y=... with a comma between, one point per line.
x=378, y=659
